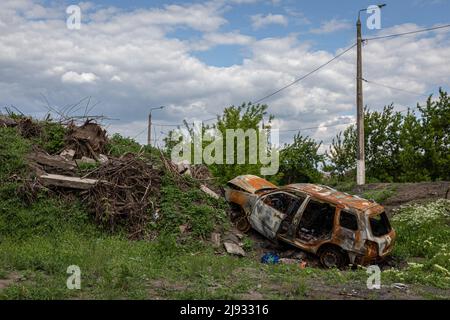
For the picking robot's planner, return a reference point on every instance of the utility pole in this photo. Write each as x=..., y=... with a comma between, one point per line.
x=361, y=157
x=361, y=163
x=149, y=133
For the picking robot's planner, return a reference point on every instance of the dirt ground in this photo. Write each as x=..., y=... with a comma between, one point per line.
x=406, y=193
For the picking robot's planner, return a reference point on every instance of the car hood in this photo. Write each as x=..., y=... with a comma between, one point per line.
x=252, y=184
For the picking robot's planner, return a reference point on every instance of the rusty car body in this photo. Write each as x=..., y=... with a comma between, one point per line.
x=339, y=228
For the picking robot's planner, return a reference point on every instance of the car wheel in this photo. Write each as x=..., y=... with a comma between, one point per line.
x=242, y=224
x=331, y=257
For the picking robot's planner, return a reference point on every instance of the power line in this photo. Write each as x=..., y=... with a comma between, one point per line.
x=407, y=33
x=324, y=65
x=181, y=124
x=394, y=88
x=306, y=75
x=311, y=128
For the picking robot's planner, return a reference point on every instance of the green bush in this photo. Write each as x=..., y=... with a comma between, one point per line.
x=13, y=149
x=52, y=137
x=423, y=232
x=119, y=145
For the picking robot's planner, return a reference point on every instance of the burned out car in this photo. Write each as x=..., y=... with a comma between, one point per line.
x=339, y=228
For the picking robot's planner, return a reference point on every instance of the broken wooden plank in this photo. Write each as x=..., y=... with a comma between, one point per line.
x=56, y=180
x=58, y=162
x=209, y=192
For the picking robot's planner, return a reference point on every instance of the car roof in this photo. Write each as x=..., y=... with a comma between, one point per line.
x=251, y=183
x=333, y=196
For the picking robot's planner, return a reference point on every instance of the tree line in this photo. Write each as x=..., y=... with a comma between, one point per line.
x=406, y=146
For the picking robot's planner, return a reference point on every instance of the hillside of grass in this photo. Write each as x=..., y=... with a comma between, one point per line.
x=40, y=237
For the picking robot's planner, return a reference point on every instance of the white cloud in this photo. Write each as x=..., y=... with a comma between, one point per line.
x=210, y=40
x=130, y=63
x=74, y=77
x=259, y=21
x=331, y=26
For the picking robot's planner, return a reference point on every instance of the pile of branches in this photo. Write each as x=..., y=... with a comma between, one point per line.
x=122, y=195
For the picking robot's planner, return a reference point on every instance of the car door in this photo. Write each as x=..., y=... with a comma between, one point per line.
x=265, y=217
x=348, y=228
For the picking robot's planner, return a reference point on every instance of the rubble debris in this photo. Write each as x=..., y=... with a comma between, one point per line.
x=28, y=128
x=7, y=122
x=400, y=286
x=294, y=254
x=231, y=237
x=85, y=160
x=215, y=239
x=239, y=235
x=55, y=164
x=68, y=154
x=184, y=228
x=201, y=172
x=234, y=249
x=209, y=192
x=87, y=140
x=102, y=158
x=288, y=261
x=183, y=167
x=56, y=180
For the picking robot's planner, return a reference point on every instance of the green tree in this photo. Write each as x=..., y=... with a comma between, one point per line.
x=299, y=161
x=399, y=148
x=435, y=128
x=247, y=116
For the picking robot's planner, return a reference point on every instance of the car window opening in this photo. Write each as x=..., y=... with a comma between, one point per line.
x=380, y=224
x=316, y=222
x=348, y=220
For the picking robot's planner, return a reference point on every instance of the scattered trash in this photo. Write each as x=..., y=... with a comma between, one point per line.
x=183, y=228
x=215, y=239
x=209, y=192
x=233, y=248
x=400, y=286
x=103, y=159
x=270, y=258
x=288, y=261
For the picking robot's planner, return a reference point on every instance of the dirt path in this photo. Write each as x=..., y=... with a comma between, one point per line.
x=405, y=193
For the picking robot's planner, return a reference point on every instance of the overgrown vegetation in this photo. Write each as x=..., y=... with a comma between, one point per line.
x=423, y=234
x=398, y=147
x=192, y=208
x=40, y=239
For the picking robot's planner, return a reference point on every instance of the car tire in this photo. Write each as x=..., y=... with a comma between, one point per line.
x=242, y=224
x=333, y=257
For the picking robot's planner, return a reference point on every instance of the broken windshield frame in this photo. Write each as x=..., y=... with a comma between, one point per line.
x=379, y=224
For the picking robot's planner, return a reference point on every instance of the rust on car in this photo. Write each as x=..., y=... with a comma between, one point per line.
x=338, y=227
x=252, y=184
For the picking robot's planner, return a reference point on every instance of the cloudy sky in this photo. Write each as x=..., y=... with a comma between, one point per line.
x=198, y=57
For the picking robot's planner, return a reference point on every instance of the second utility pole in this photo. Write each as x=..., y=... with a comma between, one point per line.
x=360, y=164
x=149, y=133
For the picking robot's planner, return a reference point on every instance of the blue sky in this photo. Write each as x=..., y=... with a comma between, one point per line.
x=303, y=16
x=198, y=57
